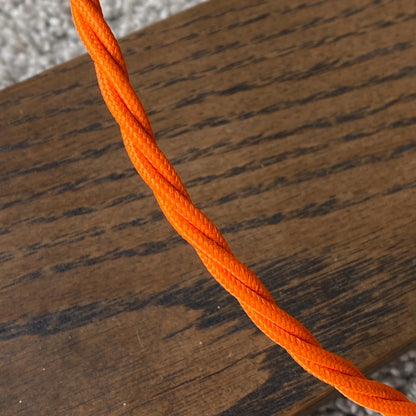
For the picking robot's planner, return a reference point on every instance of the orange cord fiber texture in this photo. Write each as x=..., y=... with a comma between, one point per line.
x=201, y=233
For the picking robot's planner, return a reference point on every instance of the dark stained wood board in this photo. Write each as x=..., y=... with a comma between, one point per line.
x=293, y=125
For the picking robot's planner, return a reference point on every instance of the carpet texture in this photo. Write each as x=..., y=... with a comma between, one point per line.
x=38, y=34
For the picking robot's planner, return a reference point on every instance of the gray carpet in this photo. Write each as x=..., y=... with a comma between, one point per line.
x=38, y=34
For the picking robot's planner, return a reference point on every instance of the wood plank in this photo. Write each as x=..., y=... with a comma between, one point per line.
x=292, y=124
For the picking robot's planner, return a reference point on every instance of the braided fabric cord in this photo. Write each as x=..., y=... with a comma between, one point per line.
x=201, y=233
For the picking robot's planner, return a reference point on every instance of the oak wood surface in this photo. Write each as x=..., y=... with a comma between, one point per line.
x=292, y=125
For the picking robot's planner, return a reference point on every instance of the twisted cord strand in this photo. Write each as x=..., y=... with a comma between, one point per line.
x=201, y=233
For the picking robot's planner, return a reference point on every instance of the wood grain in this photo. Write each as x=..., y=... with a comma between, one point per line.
x=292, y=124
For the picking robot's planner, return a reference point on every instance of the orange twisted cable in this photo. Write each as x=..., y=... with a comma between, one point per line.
x=202, y=234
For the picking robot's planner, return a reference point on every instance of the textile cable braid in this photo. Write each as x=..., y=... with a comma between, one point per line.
x=200, y=232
